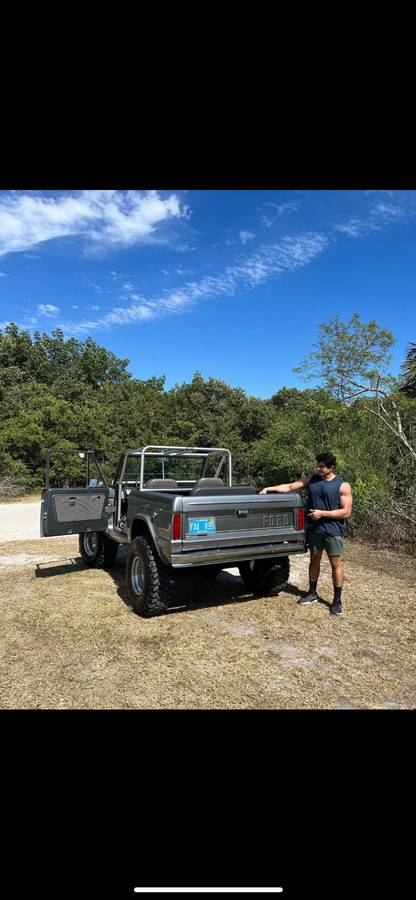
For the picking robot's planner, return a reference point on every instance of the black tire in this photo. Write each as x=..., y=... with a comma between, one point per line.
x=265, y=576
x=97, y=550
x=149, y=582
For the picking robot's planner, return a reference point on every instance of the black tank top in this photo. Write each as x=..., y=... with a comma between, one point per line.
x=325, y=495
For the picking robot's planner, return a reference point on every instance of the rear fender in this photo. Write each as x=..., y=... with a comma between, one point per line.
x=142, y=525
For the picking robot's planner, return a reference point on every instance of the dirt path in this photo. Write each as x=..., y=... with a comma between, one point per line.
x=19, y=521
x=68, y=638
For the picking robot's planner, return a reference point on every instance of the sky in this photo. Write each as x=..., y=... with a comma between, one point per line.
x=233, y=284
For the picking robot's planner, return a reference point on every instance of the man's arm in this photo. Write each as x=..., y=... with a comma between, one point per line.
x=345, y=499
x=287, y=488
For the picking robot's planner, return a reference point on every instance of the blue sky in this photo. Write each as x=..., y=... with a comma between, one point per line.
x=231, y=283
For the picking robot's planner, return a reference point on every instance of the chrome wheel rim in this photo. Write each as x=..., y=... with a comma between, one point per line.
x=90, y=542
x=137, y=575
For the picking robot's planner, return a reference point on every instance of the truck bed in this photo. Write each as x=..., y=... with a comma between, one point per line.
x=225, y=525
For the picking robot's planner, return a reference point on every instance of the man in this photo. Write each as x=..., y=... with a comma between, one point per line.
x=329, y=506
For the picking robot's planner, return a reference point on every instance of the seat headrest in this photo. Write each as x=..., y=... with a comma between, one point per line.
x=161, y=483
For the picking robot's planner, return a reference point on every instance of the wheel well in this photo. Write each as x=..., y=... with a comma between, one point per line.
x=139, y=527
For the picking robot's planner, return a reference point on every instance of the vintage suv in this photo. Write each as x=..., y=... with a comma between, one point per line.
x=177, y=516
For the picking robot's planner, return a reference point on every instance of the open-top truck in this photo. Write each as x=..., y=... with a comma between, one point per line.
x=178, y=518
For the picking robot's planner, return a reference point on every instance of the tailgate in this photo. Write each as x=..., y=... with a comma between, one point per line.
x=222, y=521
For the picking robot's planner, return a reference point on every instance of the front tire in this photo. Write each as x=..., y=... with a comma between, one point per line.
x=97, y=550
x=148, y=580
x=265, y=577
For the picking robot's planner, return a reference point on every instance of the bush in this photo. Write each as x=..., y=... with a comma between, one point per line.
x=11, y=487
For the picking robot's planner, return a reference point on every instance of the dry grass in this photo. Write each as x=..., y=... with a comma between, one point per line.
x=23, y=498
x=68, y=639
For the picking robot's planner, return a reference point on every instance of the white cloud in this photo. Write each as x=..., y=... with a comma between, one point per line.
x=356, y=227
x=104, y=218
x=267, y=220
x=289, y=206
x=381, y=214
x=269, y=261
x=388, y=212
x=2, y=274
x=47, y=309
x=4, y=325
x=181, y=271
x=379, y=192
x=246, y=236
x=185, y=248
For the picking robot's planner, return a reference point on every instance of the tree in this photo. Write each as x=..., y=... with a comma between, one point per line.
x=408, y=385
x=50, y=359
x=351, y=359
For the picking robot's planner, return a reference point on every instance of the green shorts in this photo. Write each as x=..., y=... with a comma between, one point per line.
x=333, y=545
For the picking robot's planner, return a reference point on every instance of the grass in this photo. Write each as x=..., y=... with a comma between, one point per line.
x=24, y=498
x=68, y=638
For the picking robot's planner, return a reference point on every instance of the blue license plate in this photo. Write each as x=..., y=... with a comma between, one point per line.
x=202, y=526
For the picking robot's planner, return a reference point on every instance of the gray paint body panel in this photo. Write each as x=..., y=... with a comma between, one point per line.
x=74, y=510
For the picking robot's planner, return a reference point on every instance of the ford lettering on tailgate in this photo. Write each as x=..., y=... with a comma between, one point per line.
x=202, y=526
x=276, y=521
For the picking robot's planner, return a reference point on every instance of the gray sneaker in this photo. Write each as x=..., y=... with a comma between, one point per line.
x=309, y=598
x=336, y=608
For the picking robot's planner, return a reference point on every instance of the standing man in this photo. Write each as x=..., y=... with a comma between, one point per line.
x=329, y=506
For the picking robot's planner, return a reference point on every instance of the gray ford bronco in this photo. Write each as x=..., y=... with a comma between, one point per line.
x=178, y=516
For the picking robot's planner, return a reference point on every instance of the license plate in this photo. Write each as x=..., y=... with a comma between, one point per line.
x=202, y=526
x=276, y=521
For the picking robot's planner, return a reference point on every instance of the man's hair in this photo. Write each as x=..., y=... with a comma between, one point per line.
x=327, y=458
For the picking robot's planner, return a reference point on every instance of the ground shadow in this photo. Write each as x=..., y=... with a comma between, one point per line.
x=293, y=589
x=324, y=602
x=197, y=594
x=49, y=569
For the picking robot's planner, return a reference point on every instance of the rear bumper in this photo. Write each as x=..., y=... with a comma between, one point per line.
x=234, y=554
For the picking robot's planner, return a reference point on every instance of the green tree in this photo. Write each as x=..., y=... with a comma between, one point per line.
x=351, y=359
x=408, y=385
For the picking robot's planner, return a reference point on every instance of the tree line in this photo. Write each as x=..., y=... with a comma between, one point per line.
x=57, y=392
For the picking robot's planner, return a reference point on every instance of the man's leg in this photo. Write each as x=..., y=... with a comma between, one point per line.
x=315, y=565
x=314, y=570
x=338, y=580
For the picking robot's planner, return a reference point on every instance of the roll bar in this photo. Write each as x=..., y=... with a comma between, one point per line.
x=169, y=450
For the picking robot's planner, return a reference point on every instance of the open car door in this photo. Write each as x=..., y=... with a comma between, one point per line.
x=75, y=509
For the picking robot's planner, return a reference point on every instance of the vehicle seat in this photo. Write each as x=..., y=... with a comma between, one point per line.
x=207, y=483
x=157, y=483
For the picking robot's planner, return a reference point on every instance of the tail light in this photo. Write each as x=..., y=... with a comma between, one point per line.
x=176, y=527
x=301, y=519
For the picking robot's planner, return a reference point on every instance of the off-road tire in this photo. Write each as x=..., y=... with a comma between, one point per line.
x=97, y=550
x=266, y=577
x=149, y=583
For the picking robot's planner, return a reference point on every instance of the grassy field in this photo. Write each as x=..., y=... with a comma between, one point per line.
x=68, y=638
